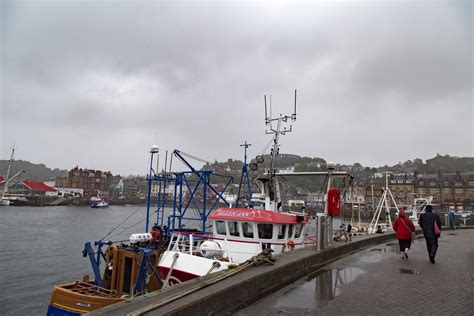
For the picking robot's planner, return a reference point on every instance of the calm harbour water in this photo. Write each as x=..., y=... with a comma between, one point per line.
x=42, y=246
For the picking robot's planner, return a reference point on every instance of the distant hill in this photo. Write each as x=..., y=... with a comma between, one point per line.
x=38, y=172
x=446, y=163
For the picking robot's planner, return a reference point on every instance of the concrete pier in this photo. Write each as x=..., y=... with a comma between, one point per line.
x=376, y=281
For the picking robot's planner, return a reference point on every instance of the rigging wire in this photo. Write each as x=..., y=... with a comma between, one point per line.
x=126, y=219
x=324, y=183
x=133, y=225
x=266, y=147
x=194, y=157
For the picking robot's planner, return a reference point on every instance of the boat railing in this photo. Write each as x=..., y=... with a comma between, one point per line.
x=185, y=243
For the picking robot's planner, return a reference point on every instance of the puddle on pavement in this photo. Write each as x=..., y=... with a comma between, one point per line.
x=377, y=253
x=318, y=289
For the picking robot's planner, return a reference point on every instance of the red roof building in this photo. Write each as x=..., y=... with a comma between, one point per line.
x=30, y=188
x=37, y=186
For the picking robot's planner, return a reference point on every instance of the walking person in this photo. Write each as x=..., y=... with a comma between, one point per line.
x=431, y=225
x=349, y=232
x=404, y=228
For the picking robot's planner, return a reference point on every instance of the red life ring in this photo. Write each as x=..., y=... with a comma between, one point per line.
x=334, y=202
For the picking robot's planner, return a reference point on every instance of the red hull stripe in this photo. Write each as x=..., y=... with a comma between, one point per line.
x=182, y=276
x=260, y=242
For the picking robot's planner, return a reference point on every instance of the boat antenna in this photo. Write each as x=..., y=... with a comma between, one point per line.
x=280, y=130
x=293, y=116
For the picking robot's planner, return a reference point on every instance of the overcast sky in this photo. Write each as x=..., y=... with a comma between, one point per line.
x=96, y=83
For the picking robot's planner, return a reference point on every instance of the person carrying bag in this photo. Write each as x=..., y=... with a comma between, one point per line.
x=405, y=233
x=431, y=225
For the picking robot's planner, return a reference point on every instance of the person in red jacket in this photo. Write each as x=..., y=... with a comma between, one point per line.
x=404, y=227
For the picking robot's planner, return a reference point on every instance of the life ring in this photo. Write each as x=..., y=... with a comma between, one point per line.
x=290, y=244
x=334, y=202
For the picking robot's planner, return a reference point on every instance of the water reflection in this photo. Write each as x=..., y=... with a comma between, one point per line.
x=318, y=289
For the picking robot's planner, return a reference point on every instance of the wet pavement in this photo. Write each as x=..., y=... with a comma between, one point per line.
x=378, y=281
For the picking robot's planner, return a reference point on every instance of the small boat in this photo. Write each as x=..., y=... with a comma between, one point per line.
x=96, y=202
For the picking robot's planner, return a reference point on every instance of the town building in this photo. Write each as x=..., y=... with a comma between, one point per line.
x=70, y=192
x=93, y=182
x=30, y=188
x=449, y=190
x=135, y=187
x=61, y=182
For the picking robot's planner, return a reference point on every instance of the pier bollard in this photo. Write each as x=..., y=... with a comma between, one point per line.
x=321, y=231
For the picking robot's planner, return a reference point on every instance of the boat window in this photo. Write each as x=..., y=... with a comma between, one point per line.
x=281, y=231
x=220, y=228
x=265, y=231
x=247, y=229
x=234, y=229
x=298, y=230
x=290, y=231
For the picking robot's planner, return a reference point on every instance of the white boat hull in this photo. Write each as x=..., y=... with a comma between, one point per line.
x=186, y=267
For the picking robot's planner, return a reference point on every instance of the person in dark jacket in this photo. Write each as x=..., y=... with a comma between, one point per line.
x=427, y=222
x=349, y=232
x=403, y=226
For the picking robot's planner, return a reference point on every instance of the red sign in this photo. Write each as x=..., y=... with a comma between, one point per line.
x=251, y=215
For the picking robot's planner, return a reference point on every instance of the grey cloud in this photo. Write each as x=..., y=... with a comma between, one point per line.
x=192, y=75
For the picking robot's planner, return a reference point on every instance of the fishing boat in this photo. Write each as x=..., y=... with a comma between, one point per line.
x=129, y=270
x=238, y=234
x=173, y=252
x=122, y=269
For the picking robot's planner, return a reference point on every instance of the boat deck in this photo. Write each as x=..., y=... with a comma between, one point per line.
x=89, y=289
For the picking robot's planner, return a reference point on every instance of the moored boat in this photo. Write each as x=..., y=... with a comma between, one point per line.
x=97, y=202
x=176, y=254
x=237, y=236
x=129, y=271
